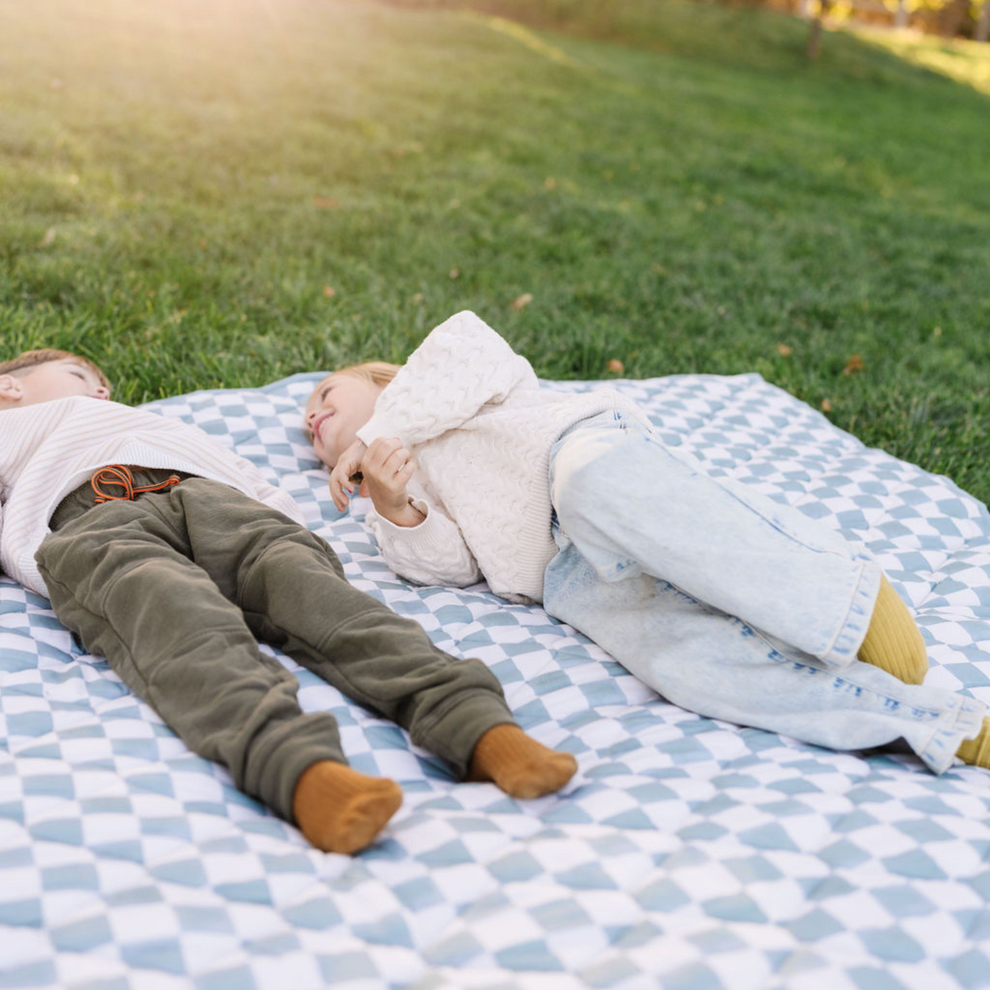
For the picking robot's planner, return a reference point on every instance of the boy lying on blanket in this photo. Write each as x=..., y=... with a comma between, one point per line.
x=168, y=554
x=726, y=602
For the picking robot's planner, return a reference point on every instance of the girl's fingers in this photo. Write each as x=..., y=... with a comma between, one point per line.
x=382, y=448
x=337, y=492
x=398, y=459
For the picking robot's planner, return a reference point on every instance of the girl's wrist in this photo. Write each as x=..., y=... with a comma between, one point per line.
x=406, y=515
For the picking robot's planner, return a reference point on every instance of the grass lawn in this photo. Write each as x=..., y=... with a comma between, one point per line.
x=223, y=192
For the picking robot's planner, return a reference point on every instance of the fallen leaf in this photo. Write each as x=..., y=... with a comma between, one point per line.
x=520, y=301
x=418, y=297
x=48, y=239
x=329, y=291
x=854, y=364
x=73, y=179
x=325, y=202
x=454, y=273
x=785, y=350
x=616, y=365
x=550, y=183
x=826, y=405
x=937, y=332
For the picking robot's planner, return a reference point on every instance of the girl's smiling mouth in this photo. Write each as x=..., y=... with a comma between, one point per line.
x=319, y=421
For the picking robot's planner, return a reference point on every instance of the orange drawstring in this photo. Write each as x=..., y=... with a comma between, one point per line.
x=120, y=475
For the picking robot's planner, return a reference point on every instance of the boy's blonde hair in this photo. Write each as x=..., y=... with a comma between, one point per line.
x=29, y=360
x=379, y=373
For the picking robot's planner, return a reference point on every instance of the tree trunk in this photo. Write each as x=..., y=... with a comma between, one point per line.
x=983, y=24
x=901, y=17
x=817, y=26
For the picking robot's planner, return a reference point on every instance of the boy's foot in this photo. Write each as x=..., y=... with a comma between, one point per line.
x=340, y=810
x=520, y=766
x=976, y=752
x=894, y=642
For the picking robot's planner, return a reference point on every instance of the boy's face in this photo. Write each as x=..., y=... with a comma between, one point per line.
x=52, y=380
x=339, y=406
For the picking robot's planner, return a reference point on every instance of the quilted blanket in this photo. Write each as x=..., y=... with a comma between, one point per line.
x=687, y=854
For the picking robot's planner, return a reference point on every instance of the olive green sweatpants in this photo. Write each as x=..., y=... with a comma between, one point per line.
x=173, y=587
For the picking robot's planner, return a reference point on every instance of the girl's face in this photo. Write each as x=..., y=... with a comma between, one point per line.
x=339, y=406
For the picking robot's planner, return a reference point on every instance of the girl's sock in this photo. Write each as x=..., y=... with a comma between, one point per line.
x=894, y=642
x=340, y=810
x=520, y=766
x=976, y=752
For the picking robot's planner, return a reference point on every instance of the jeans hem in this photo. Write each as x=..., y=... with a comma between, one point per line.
x=964, y=717
x=853, y=631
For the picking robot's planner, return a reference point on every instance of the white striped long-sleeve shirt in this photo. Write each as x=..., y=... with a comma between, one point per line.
x=48, y=449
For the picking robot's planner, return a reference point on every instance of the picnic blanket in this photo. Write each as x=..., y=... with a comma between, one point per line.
x=687, y=853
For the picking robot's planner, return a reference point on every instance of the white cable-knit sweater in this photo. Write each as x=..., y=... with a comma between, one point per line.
x=49, y=449
x=480, y=428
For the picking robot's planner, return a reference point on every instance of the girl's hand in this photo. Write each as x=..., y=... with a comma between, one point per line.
x=348, y=464
x=387, y=467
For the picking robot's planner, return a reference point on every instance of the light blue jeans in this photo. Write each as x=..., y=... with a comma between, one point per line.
x=727, y=603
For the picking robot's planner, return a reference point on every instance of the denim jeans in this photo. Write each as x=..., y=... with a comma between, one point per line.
x=727, y=603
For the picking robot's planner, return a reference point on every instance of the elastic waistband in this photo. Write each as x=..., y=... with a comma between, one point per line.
x=112, y=483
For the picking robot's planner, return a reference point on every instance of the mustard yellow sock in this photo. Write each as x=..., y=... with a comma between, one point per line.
x=976, y=752
x=894, y=642
x=521, y=766
x=340, y=810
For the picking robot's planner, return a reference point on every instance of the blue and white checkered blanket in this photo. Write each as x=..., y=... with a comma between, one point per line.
x=687, y=854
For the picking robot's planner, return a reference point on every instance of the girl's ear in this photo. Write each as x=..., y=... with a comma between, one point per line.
x=363, y=489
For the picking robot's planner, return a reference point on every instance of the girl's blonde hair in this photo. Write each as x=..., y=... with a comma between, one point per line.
x=379, y=373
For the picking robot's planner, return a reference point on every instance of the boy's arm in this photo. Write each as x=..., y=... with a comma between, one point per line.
x=462, y=365
x=434, y=552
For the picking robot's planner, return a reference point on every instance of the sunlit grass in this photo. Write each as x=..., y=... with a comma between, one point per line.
x=966, y=62
x=210, y=192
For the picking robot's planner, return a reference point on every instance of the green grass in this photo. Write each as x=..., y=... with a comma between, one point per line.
x=180, y=180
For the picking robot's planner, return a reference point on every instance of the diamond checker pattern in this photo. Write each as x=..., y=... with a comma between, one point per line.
x=688, y=853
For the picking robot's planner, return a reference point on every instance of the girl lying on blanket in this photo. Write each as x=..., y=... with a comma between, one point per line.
x=726, y=602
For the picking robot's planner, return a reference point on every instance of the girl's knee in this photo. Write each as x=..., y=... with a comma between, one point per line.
x=584, y=469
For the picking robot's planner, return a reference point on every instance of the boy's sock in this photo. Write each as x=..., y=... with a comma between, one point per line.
x=340, y=810
x=521, y=766
x=976, y=752
x=894, y=642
